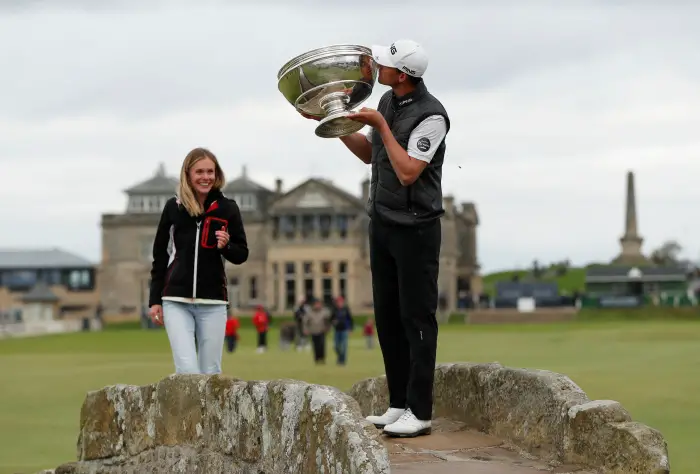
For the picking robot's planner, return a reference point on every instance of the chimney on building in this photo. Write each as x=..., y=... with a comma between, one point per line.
x=449, y=203
x=278, y=186
x=469, y=212
x=365, y=190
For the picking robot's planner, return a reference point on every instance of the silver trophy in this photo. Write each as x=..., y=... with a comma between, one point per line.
x=328, y=83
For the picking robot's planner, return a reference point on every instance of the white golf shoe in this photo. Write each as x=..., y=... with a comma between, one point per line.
x=389, y=417
x=408, y=426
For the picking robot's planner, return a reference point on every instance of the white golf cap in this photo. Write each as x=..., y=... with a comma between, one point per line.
x=404, y=55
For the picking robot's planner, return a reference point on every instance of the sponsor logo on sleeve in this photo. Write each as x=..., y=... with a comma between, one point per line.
x=423, y=144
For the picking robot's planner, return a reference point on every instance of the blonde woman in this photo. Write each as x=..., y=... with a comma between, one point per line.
x=198, y=229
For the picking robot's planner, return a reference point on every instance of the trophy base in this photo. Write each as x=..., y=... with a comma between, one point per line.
x=337, y=125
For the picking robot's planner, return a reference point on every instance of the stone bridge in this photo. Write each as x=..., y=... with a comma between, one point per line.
x=488, y=419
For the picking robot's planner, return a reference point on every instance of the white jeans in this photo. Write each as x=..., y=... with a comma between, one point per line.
x=206, y=322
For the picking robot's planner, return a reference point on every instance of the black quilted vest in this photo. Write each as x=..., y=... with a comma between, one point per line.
x=390, y=201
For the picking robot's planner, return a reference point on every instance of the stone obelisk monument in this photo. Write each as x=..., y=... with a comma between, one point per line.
x=631, y=241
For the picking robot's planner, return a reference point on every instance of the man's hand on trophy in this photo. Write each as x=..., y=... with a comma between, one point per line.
x=369, y=117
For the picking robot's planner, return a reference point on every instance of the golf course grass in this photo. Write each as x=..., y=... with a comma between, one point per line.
x=651, y=367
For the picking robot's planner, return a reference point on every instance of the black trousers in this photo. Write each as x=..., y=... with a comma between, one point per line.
x=405, y=264
x=262, y=339
x=319, y=346
x=231, y=343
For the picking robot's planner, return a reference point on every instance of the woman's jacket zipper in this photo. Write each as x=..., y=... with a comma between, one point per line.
x=196, y=258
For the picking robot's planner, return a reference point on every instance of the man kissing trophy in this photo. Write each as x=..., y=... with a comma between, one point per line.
x=405, y=145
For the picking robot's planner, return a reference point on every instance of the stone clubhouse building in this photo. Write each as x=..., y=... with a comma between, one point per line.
x=308, y=240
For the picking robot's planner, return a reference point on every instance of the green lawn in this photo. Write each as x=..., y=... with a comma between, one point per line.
x=650, y=367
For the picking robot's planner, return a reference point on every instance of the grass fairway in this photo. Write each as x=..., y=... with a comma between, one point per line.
x=650, y=367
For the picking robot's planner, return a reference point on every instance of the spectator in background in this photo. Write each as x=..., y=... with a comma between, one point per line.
x=443, y=307
x=287, y=334
x=232, y=325
x=146, y=318
x=368, y=332
x=316, y=324
x=269, y=316
x=343, y=325
x=99, y=311
x=299, y=316
x=261, y=321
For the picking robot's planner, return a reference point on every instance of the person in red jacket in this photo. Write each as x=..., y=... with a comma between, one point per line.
x=261, y=321
x=232, y=325
x=368, y=332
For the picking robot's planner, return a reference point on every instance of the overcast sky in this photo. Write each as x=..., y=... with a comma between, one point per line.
x=550, y=107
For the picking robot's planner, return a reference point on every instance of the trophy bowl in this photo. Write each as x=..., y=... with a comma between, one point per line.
x=328, y=83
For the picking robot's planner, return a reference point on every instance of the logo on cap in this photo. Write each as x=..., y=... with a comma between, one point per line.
x=392, y=49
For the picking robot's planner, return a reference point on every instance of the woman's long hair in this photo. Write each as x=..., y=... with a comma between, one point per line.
x=186, y=194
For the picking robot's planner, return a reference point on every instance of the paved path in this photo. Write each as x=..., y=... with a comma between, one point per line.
x=451, y=449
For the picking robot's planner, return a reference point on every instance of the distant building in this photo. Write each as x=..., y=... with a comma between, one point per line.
x=311, y=239
x=48, y=275
x=639, y=282
x=543, y=293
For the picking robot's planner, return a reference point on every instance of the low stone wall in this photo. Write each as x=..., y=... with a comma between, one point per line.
x=22, y=329
x=541, y=412
x=214, y=424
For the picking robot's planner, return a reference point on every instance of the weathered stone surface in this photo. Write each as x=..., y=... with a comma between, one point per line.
x=602, y=433
x=372, y=395
x=529, y=408
x=215, y=424
x=543, y=413
x=453, y=449
x=486, y=419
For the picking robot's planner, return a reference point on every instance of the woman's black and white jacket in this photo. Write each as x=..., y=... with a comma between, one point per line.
x=186, y=260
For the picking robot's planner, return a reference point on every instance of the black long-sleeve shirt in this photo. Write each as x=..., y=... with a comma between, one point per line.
x=194, y=267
